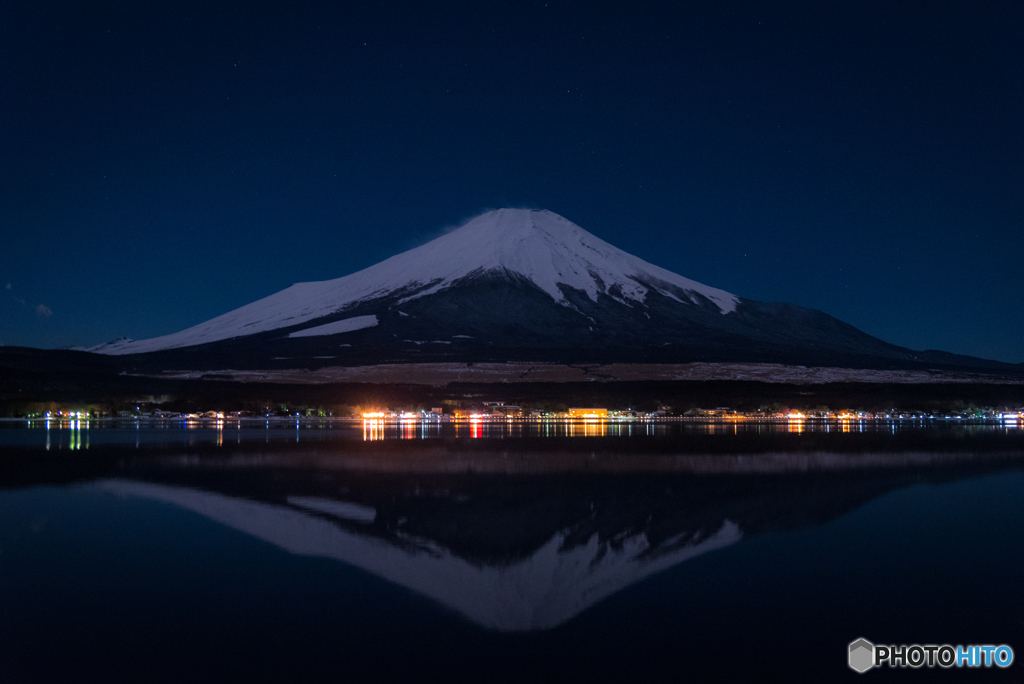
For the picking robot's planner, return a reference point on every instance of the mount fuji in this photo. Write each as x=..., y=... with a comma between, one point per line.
x=517, y=285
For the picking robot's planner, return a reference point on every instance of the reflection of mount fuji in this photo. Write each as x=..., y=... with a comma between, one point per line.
x=512, y=552
x=556, y=582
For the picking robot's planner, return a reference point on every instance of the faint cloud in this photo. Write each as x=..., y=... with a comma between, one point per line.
x=41, y=309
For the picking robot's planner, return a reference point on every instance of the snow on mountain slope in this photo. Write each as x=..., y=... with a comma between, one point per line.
x=540, y=246
x=337, y=327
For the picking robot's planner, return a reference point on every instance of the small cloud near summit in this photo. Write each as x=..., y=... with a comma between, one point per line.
x=43, y=311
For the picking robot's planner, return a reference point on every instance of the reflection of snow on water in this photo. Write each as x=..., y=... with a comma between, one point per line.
x=341, y=509
x=551, y=586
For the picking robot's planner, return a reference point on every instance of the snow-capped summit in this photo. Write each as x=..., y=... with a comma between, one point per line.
x=544, y=248
x=537, y=247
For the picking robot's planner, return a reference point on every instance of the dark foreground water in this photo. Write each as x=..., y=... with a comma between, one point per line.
x=661, y=553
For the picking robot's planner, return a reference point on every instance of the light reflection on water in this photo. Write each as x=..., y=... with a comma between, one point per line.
x=73, y=429
x=81, y=434
x=376, y=430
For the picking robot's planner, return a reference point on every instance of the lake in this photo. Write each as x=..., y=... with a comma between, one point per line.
x=503, y=552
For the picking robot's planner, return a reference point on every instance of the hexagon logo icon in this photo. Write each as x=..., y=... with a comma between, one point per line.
x=862, y=655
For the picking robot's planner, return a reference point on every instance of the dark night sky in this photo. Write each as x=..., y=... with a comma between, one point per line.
x=163, y=163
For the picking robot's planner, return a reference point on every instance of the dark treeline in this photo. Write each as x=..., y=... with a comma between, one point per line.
x=20, y=391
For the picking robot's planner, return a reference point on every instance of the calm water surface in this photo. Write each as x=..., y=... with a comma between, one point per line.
x=503, y=553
